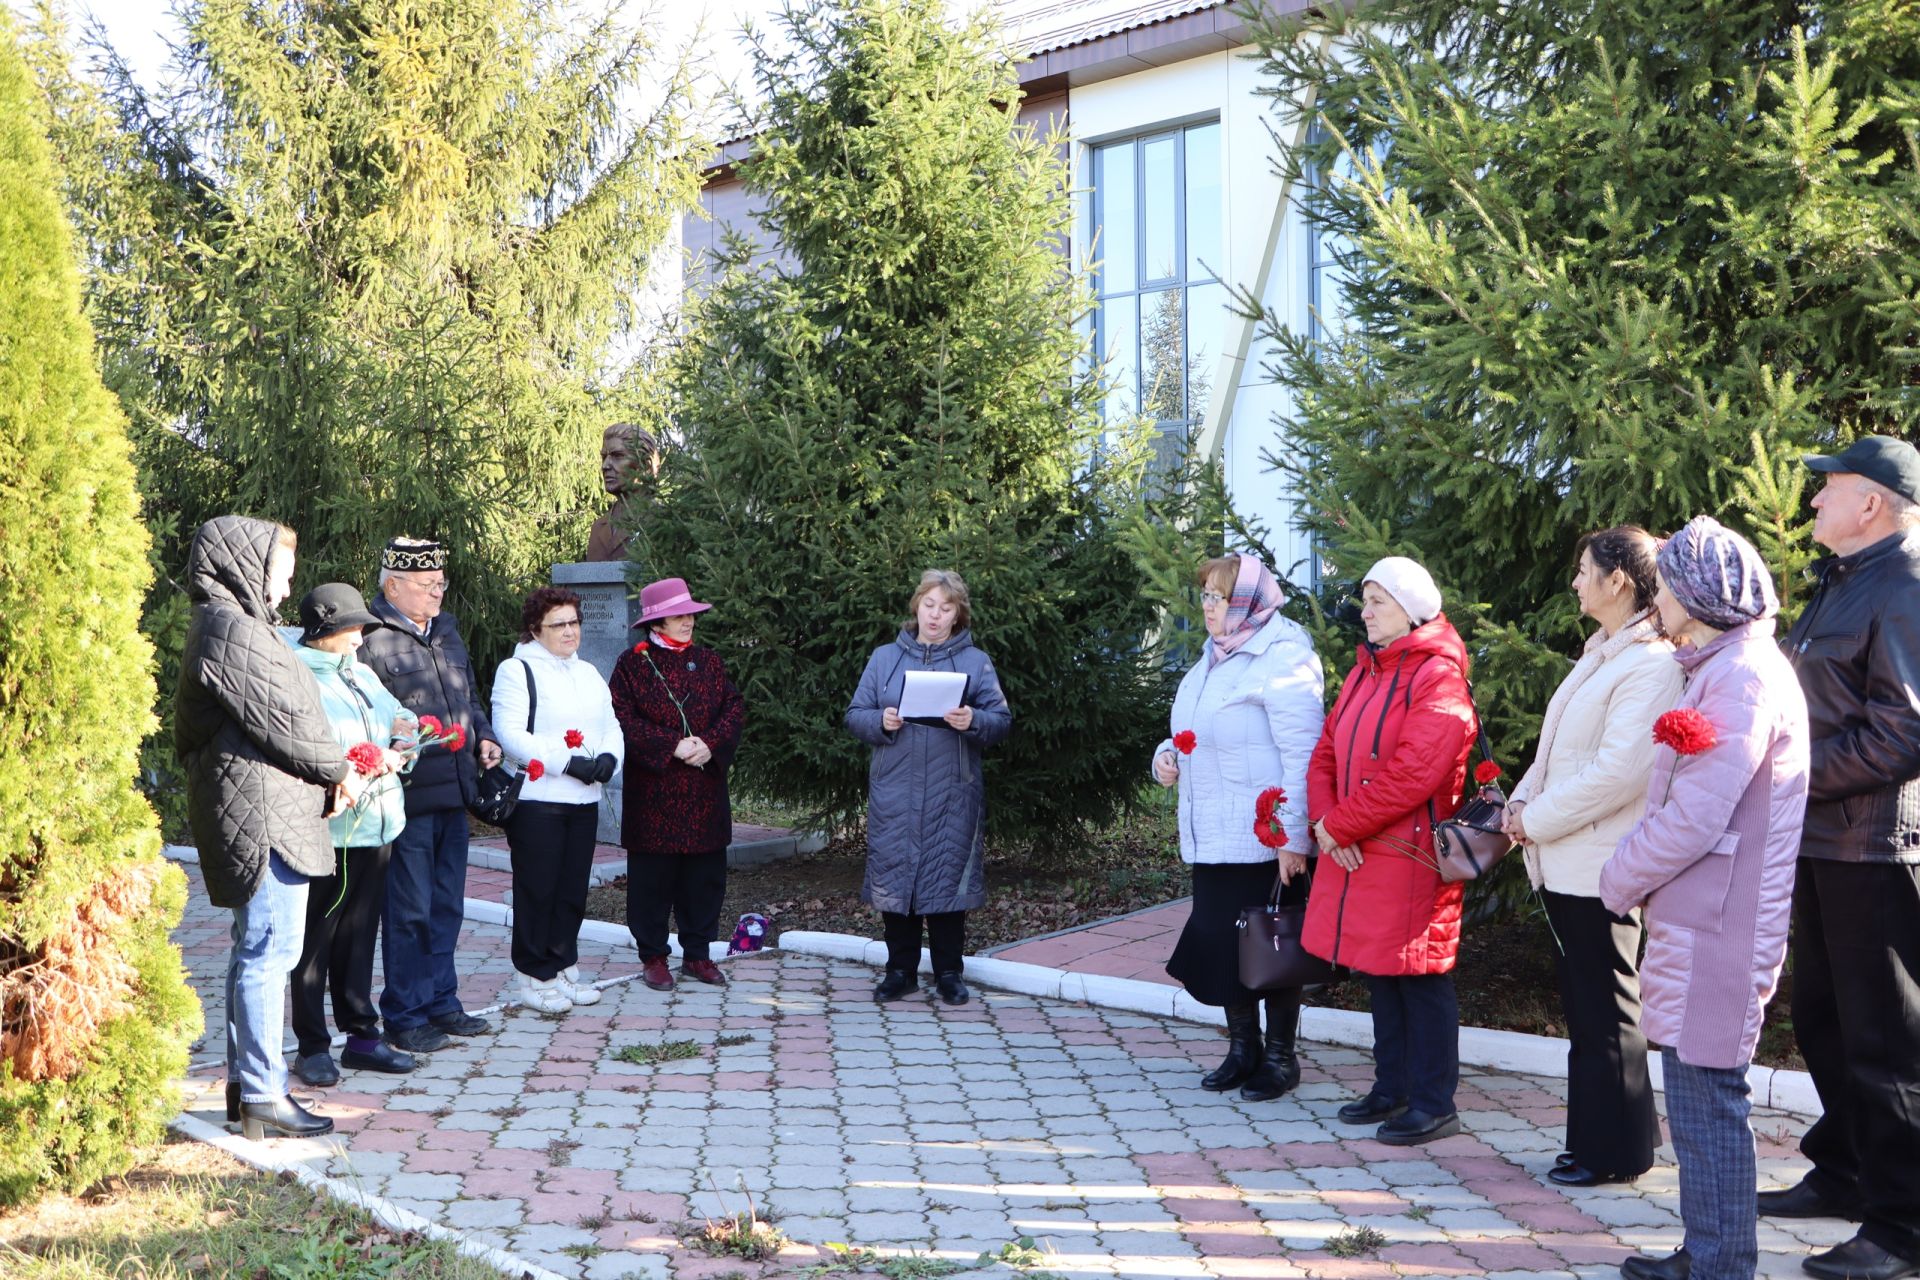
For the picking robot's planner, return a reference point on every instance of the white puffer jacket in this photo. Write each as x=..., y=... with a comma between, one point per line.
x=1255, y=717
x=1588, y=784
x=572, y=695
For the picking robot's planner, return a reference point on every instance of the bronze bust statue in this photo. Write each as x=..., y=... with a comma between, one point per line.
x=629, y=458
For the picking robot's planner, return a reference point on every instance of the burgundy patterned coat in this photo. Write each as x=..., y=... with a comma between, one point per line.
x=670, y=806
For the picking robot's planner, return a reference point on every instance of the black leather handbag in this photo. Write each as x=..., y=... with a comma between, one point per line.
x=497, y=790
x=1471, y=843
x=1271, y=957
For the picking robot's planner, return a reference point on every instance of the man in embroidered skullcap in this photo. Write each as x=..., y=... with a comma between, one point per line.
x=1856, y=902
x=421, y=659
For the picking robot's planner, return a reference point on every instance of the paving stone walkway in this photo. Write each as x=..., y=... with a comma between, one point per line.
x=916, y=1128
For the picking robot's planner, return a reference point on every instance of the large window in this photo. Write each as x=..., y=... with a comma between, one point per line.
x=1160, y=312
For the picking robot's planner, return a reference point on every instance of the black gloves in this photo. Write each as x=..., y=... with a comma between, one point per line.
x=603, y=766
x=582, y=767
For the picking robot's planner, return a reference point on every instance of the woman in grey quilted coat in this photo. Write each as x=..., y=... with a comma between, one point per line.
x=926, y=803
x=264, y=773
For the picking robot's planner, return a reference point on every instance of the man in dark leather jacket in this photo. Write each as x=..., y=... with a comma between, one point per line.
x=421, y=659
x=1856, y=910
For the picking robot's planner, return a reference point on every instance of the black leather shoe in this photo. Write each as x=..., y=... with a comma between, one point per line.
x=1803, y=1201
x=1578, y=1175
x=1372, y=1109
x=1280, y=1069
x=422, y=1039
x=283, y=1119
x=1564, y=1159
x=1411, y=1128
x=951, y=989
x=1244, y=1054
x=382, y=1057
x=317, y=1070
x=462, y=1024
x=1859, y=1259
x=233, y=1101
x=1675, y=1266
x=896, y=983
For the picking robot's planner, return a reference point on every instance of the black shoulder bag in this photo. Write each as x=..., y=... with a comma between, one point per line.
x=497, y=790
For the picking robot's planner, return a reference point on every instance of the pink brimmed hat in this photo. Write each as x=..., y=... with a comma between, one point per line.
x=667, y=598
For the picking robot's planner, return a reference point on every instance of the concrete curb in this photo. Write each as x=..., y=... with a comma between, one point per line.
x=260, y=1155
x=1773, y=1087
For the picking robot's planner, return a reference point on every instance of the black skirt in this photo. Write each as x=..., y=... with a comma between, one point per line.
x=1206, y=960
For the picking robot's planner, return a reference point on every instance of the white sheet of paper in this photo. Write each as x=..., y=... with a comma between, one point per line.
x=931, y=694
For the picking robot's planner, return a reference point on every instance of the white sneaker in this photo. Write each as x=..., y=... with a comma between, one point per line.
x=577, y=990
x=547, y=996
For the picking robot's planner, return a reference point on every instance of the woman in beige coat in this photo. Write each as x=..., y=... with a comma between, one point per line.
x=1586, y=789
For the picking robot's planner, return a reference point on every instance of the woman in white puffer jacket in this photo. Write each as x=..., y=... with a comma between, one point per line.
x=1587, y=788
x=1253, y=707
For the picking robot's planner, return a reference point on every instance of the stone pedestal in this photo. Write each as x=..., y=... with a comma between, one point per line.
x=607, y=613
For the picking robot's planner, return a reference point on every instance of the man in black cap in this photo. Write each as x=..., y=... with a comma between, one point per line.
x=419, y=655
x=1856, y=907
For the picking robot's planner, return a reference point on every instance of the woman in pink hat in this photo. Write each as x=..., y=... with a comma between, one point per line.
x=682, y=719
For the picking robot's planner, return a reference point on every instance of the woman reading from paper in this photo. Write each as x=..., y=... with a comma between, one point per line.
x=926, y=802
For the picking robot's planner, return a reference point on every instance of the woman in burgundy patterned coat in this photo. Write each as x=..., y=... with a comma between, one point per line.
x=682, y=719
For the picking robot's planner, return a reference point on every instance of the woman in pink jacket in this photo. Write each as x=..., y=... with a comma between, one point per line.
x=1713, y=862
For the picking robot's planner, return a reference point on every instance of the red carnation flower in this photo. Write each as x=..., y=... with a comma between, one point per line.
x=1686, y=730
x=1266, y=818
x=1486, y=771
x=430, y=726
x=640, y=646
x=535, y=770
x=575, y=738
x=456, y=737
x=1184, y=742
x=365, y=757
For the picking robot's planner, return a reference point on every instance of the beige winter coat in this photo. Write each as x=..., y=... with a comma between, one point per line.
x=1588, y=783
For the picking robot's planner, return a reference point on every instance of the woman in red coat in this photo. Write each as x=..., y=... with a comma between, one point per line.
x=1391, y=761
x=682, y=718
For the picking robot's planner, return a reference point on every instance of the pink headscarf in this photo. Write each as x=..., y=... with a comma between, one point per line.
x=1256, y=595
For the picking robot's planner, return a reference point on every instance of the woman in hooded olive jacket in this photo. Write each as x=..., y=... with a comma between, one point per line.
x=926, y=800
x=263, y=775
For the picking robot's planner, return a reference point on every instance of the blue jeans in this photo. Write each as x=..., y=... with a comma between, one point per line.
x=420, y=923
x=267, y=934
x=1708, y=1110
x=1416, y=1039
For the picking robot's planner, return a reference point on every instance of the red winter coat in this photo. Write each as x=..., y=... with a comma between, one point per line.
x=668, y=806
x=1392, y=758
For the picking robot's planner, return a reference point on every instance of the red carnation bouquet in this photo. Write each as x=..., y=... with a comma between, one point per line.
x=1270, y=812
x=1688, y=731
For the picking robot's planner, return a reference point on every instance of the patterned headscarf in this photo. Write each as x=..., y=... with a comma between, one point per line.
x=1256, y=594
x=1716, y=575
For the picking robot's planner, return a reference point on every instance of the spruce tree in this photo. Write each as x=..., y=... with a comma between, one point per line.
x=376, y=268
x=95, y=1014
x=905, y=388
x=1604, y=262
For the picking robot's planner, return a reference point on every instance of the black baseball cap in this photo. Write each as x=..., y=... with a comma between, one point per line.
x=331, y=607
x=1893, y=463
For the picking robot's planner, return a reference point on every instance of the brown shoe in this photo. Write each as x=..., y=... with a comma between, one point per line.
x=704, y=971
x=654, y=972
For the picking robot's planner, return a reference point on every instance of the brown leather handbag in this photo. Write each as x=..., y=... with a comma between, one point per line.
x=1470, y=843
x=1271, y=957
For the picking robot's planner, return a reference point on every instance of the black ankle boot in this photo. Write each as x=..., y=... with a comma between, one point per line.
x=233, y=1100
x=1281, y=1070
x=896, y=983
x=1243, y=1050
x=283, y=1119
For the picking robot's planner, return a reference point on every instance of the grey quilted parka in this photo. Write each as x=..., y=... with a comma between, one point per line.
x=926, y=803
x=247, y=722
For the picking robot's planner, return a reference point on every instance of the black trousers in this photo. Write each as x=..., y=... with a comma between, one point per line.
x=1856, y=1014
x=1416, y=1039
x=338, y=950
x=1611, y=1127
x=946, y=938
x=693, y=886
x=552, y=849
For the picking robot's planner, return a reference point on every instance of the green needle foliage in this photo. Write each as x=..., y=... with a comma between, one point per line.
x=374, y=267
x=904, y=388
x=1607, y=261
x=95, y=1015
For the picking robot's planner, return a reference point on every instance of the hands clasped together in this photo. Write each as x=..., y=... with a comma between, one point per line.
x=960, y=718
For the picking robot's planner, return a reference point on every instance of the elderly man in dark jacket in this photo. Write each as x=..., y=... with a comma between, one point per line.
x=421, y=659
x=1856, y=911
x=263, y=775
